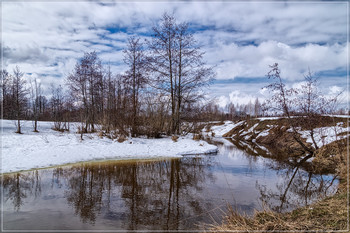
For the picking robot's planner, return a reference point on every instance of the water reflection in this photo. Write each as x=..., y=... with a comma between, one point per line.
x=153, y=192
x=18, y=186
x=299, y=184
x=298, y=188
x=169, y=194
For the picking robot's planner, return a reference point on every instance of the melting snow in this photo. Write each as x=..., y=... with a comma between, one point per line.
x=49, y=148
x=220, y=130
x=326, y=135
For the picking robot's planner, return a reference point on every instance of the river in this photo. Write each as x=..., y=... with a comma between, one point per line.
x=164, y=194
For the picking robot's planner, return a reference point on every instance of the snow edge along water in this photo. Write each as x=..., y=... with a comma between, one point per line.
x=49, y=148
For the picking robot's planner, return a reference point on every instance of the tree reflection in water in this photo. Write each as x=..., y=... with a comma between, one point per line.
x=16, y=187
x=298, y=185
x=160, y=193
x=170, y=194
x=297, y=188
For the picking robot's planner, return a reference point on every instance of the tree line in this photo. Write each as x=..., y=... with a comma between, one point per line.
x=161, y=91
x=162, y=87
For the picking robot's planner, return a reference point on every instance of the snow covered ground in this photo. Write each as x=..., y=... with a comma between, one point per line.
x=326, y=135
x=220, y=130
x=323, y=135
x=49, y=148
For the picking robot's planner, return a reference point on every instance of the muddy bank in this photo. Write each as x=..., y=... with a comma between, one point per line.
x=274, y=138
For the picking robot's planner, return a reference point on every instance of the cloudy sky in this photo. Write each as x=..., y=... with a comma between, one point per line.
x=241, y=39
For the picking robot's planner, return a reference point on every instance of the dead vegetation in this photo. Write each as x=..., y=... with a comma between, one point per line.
x=329, y=214
x=121, y=138
x=174, y=138
x=197, y=137
x=280, y=140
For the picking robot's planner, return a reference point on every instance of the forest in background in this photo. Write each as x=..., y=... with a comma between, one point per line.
x=164, y=86
x=163, y=89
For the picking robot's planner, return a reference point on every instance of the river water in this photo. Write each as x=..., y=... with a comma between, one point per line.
x=165, y=194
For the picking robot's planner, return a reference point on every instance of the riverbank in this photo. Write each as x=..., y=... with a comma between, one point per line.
x=273, y=138
x=50, y=148
x=329, y=214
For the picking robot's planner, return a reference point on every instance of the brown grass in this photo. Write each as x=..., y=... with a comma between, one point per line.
x=100, y=134
x=197, y=137
x=329, y=214
x=121, y=138
x=343, y=134
x=209, y=125
x=174, y=138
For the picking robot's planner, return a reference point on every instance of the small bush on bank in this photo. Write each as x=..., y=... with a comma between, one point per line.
x=174, y=138
x=197, y=137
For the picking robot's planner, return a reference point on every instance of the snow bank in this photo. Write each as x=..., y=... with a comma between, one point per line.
x=339, y=116
x=326, y=135
x=49, y=148
x=268, y=118
x=220, y=130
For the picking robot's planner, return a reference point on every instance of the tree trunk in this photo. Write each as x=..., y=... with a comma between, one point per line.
x=36, y=125
x=18, y=126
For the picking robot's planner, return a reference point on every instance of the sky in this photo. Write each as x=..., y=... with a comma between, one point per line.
x=240, y=40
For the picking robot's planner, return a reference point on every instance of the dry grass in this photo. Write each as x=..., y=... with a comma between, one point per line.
x=265, y=220
x=329, y=214
x=121, y=138
x=209, y=125
x=279, y=141
x=100, y=134
x=174, y=138
x=197, y=137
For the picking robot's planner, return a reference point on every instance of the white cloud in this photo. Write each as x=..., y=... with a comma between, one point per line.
x=242, y=39
x=254, y=61
x=238, y=97
x=343, y=95
x=334, y=90
x=222, y=101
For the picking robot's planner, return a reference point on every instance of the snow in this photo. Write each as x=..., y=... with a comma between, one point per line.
x=268, y=118
x=220, y=130
x=264, y=133
x=276, y=118
x=339, y=116
x=50, y=148
x=250, y=129
x=326, y=135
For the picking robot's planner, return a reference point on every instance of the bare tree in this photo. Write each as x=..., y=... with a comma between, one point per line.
x=87, y=87
x=177, y=65
x=5, y=94
x=155, y=115
x=111, y=102
x=35, y=95
x=19, y=96
x=136, y=77
x=257, y=108
x=57, y=107
x=307, y=105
